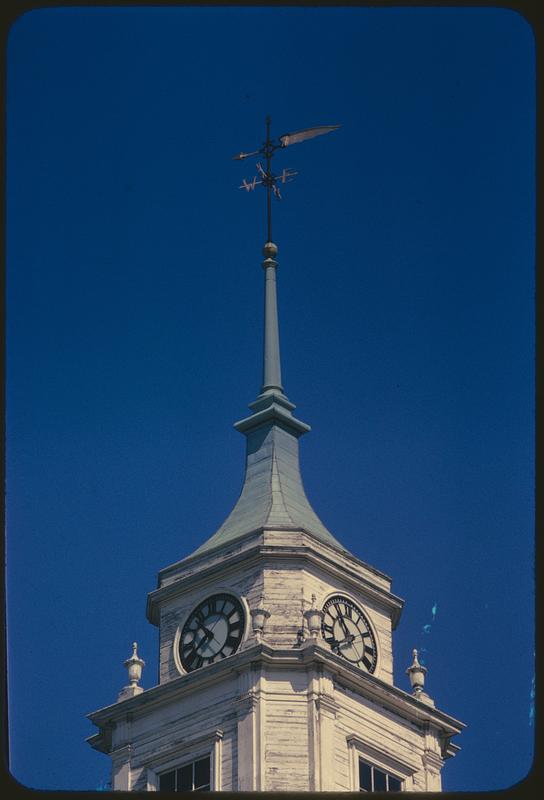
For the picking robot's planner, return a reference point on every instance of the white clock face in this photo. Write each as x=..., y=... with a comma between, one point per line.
x=348, y=633
x=212, y=632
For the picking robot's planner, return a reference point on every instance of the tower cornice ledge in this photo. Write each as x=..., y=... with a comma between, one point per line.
x=276, y=414
x=264, y=549
x=312, y=653
x=265, y=535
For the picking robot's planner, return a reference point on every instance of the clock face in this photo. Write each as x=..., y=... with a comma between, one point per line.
x=348, y=633
x=212, y=632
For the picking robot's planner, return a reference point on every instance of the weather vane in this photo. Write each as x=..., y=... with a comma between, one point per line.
x=267, y=178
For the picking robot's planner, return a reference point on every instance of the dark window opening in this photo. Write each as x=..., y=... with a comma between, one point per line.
x=192, y=777
x=372, y=779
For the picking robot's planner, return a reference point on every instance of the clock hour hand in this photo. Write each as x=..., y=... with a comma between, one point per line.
x=204, y=640
x=206, y=630
x=336, y=645
x=343, y=625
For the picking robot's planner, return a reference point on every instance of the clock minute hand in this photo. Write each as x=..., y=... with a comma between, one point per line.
x=360, y=635
x=343, y=625
x=207, y=636
x=206, y=630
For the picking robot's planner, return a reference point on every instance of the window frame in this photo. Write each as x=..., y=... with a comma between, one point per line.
x=363, y=750
x=192, y=763
x=384, y=772
x=178, y=756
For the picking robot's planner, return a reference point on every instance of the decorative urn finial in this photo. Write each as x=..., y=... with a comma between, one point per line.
x=416, y=672
x=314, y=618
x=134, y=665
x=259, y=616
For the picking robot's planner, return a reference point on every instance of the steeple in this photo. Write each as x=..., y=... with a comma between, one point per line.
x=258, y=684
x=271, y=355
x=273, y=494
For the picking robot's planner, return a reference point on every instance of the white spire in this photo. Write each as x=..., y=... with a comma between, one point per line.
x=273, y=493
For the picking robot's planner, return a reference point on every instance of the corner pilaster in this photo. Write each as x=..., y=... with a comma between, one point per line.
x=249, y=731
x=432, y=765
x=322, y=713
x=120, y=768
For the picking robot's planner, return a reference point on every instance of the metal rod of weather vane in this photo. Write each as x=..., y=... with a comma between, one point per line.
x=268, y=186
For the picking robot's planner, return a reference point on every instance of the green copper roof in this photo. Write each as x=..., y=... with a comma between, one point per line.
x=272, y=495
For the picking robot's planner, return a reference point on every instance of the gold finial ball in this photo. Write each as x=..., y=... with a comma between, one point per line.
x=270, y=250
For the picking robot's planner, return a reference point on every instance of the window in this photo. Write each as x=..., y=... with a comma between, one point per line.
x=187, y=766
x=377, y=770
x=192, y=777
x=372, y=779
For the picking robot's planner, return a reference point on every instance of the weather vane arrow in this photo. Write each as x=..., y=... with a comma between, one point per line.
x=265, y=177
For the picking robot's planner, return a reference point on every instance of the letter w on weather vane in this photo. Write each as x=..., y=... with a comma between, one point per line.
x=266, y=178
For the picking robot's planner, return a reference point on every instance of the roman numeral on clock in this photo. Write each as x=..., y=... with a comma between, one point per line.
x=191, y=658
x=327, y=628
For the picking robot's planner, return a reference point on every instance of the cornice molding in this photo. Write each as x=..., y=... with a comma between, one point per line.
x=327, y=703
x=247, y=702
x=177, y=748
x=277, y=415
x=261, y=553
x=432, y=760
x=368, y=686
x=372, y=750
x=215, y=552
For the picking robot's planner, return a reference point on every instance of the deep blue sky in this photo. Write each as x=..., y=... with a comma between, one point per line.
x=406, y=251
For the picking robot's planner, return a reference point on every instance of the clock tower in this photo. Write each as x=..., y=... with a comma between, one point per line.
x=275, y=654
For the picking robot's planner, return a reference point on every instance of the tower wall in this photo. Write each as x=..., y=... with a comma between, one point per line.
x=281, y=571
x=274, y=727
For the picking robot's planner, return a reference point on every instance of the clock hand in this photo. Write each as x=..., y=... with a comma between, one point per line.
x=206, y=630
x=207, y=636
x=360, y=635
x=343, y=625
x=337, y=644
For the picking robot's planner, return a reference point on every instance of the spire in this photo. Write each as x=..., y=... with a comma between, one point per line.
x=273, y=494
x=271, y=355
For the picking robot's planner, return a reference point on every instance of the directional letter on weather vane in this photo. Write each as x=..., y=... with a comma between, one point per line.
x=266, y=178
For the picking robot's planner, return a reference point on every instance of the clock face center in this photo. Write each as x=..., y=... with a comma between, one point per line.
x=347, y=631
x=218, y=628
x=213, y=631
